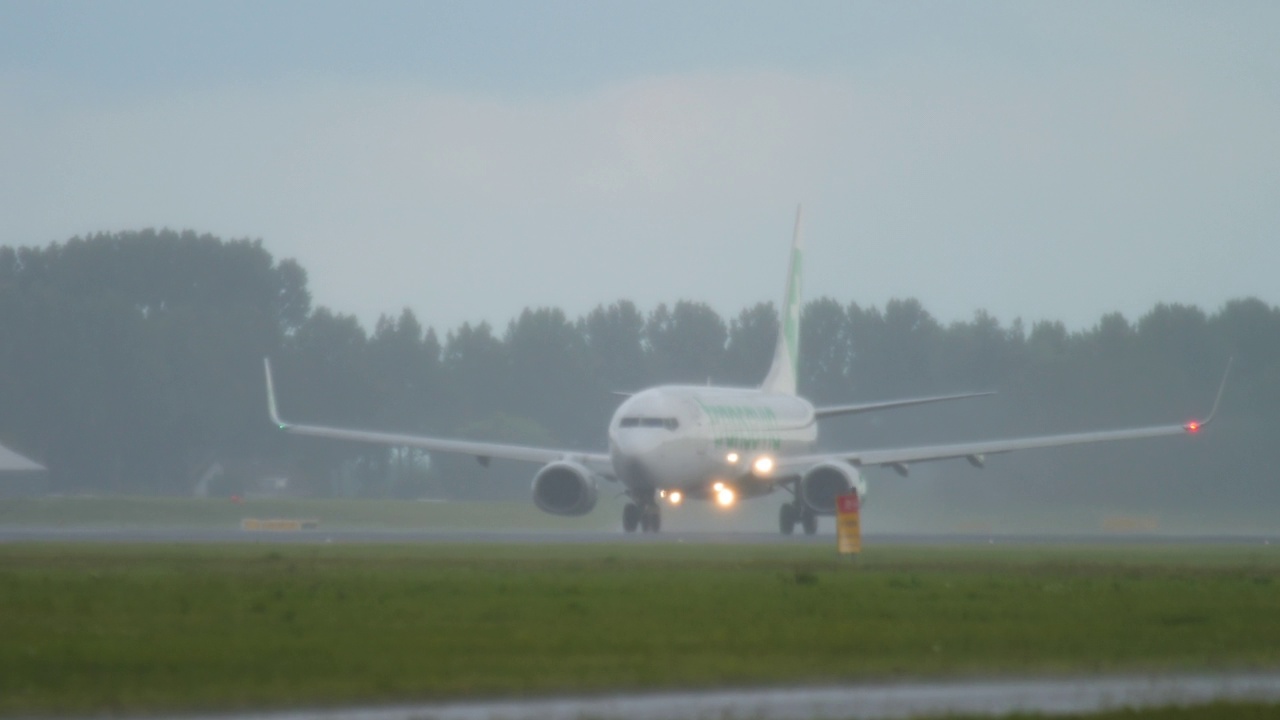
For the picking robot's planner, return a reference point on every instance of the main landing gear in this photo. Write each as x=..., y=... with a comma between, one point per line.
x=797, y=512
x=645, y=516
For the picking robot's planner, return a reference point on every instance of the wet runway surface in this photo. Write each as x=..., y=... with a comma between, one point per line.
x=330, y=536
x=369, y=536
x=864, y=702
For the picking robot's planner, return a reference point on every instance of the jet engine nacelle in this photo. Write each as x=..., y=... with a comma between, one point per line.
x=823, y=483
x=564, y=488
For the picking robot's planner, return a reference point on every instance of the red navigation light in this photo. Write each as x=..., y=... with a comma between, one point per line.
x=1193, y=427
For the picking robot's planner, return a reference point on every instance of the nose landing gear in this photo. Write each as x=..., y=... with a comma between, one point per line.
x=645, y=516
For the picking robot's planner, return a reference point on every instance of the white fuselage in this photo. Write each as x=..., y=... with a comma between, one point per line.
x=689, y=437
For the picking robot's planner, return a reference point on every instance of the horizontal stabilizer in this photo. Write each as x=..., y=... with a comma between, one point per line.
x=12, y=461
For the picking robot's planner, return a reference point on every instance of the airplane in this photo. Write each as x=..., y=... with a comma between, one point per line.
x=672, y=443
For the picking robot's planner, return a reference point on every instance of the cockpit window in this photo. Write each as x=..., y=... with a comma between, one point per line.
x=649, y=422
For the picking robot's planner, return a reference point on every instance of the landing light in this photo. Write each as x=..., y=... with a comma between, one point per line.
x=662, y=493
x=675, y=496
x=718, y=486
x=731, y=458
x=763, y=465
x=725, y=496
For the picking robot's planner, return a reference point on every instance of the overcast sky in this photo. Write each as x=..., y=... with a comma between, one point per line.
x=468, y=159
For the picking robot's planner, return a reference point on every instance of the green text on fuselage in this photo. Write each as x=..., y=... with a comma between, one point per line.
x=743, y=427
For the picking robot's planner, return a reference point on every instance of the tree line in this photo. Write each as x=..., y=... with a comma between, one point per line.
x=132, y=361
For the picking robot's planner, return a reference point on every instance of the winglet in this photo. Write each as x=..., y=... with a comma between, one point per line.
x=1195, y=426
x=271, y=397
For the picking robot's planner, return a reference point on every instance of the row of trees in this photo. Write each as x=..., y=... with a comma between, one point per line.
x=132, y=361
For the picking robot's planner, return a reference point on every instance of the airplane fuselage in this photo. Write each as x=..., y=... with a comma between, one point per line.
x=688, y=438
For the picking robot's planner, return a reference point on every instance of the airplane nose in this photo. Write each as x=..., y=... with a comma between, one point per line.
x=627, y=443
x=639, y=473
x=642, y=441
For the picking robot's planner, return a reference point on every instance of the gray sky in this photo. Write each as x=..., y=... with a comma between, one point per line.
x=468, y=159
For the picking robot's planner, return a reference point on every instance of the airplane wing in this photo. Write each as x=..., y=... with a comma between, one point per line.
x=976, y=452
x=835, y=410
x=598, y=463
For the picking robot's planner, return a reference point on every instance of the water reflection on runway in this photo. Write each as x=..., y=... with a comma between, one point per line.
x=898, y=700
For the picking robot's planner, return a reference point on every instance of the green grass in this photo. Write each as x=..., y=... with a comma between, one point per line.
x=89, y=629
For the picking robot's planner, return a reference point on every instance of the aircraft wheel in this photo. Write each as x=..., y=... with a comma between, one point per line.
x=787, y=519
x=810, y=521
x=630, y=517
x=651, y=520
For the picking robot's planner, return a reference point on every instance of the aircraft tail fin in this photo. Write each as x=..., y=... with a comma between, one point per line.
x=272, y=411
x=786, y=354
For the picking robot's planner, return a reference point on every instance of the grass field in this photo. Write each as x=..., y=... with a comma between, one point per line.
x=88, y=629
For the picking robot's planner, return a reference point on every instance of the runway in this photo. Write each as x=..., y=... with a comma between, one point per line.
x=368, y=536
x=373, y=536
x=861, y=702
x=21, y=534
